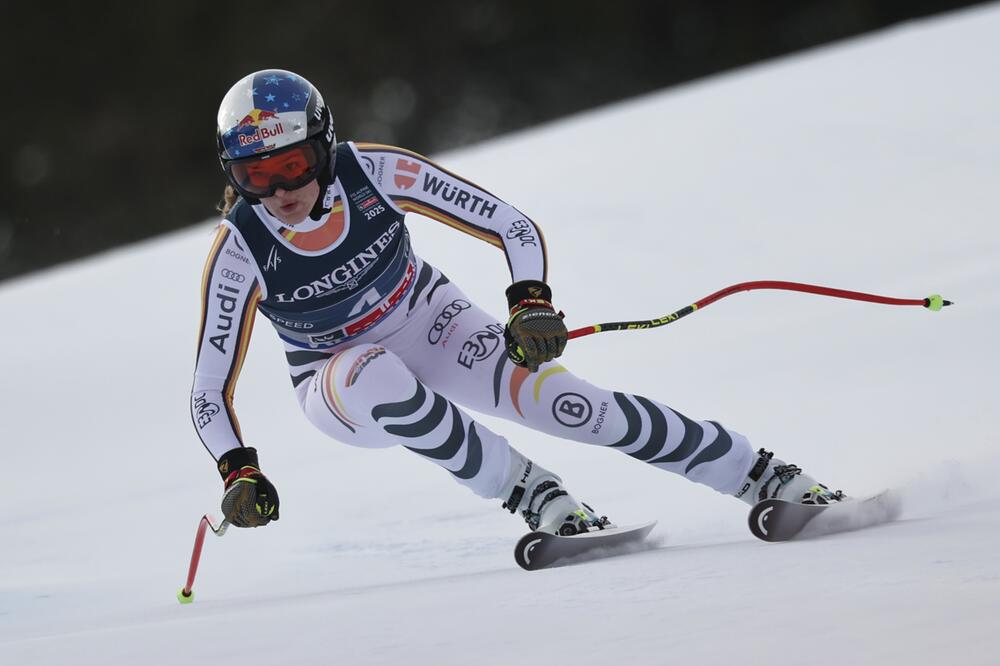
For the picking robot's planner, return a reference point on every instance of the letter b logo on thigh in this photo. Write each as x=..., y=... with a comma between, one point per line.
x=571, y=409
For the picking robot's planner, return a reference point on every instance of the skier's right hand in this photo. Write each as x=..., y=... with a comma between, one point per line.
x=250, y=500
x=535, y=332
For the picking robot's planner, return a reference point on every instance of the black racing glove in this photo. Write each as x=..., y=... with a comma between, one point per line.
x=250, y=500
x=535, y=333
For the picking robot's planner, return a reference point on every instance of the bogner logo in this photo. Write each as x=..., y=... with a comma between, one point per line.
x=377, y=172
x=571, y=409
x=464, y=199
x=344, y=276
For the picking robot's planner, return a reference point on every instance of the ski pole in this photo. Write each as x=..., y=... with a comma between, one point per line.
x=186, y=594
x=934, y=303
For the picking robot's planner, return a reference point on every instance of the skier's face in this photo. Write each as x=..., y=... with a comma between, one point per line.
x=291, y=207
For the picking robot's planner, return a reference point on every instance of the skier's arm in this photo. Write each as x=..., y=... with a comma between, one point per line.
x=535, y=333
x=416, y=184
x=229, y=291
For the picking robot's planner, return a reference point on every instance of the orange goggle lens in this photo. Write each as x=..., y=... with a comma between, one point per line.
x=288, y=169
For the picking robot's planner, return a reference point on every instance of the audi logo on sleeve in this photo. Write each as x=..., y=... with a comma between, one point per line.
x=233, y=275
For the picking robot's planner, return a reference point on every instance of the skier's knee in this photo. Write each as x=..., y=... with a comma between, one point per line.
x=342, y=394
x=357, y=379
x=360, y=367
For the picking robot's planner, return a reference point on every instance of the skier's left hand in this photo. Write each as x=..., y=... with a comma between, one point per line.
x=250, y=499
x=535, y=332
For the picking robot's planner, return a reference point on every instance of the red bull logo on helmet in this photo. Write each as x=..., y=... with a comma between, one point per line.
x=261, y=134
x=256, y=117
x=254, y=120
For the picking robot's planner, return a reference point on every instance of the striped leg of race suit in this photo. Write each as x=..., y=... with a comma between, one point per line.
x=403, y=389
x=366, y=396
x=457, y=349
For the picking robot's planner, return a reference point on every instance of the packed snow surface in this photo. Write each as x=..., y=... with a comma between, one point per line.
x=870, y=165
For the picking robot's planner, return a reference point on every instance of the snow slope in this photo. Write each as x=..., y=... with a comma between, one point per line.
x=870, y=165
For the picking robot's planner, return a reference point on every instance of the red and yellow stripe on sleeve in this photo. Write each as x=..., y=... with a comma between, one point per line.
x=245, y=328
x=206, y=276
x=422, y=207
x=411, y=206
x=239, y=355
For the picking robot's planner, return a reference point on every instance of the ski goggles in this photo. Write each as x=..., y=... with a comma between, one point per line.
x=261, y=176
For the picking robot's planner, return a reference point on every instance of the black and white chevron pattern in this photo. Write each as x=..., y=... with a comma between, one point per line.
x=419, y=430
x=306, y=361
x=427, y=275
x=689, y=449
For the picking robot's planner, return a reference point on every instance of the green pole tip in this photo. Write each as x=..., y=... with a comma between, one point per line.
x=935, y=303
x=185, y=598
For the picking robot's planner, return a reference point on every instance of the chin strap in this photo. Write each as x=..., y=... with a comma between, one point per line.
x=320, y=208
x=325, y=180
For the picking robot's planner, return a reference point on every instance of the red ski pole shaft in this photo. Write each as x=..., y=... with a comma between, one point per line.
x=934, y=303
x=199, y=541
x=186, y=595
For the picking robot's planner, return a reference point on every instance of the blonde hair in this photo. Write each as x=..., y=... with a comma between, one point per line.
x=229, y=197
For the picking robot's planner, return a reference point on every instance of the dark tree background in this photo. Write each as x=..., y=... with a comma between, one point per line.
x=108, y=109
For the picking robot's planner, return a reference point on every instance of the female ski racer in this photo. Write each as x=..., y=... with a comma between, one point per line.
x=382, y=348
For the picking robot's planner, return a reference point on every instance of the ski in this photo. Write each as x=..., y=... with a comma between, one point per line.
x=538, y=550
x=781, y=520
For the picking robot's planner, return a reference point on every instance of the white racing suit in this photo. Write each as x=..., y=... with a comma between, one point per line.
x=382, y=348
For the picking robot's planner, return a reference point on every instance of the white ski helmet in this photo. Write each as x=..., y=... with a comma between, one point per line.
x=274, y=131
